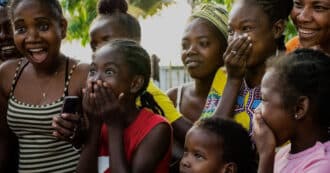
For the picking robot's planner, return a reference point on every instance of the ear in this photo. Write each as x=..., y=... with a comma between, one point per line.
x=137, y=83
x=302, y=107
x=230, y=167
x=278, y=28
x=63, y=26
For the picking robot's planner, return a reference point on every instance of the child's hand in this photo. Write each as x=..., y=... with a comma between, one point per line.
x=236, y=55
x=89, y=104
x=110, y=107
x=263, y=135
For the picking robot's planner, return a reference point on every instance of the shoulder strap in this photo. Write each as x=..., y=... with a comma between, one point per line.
x=68, y=76
x=18, y=73
x=178, y=97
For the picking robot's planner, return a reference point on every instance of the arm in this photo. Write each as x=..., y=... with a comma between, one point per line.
x=149, y=153
x=8, y=140
x=235, y=61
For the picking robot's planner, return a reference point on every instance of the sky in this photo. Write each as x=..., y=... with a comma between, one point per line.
x=161, y=35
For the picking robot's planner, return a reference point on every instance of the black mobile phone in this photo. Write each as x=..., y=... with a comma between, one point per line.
x=72, y=105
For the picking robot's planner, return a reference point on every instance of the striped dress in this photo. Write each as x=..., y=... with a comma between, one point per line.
x=39, y=150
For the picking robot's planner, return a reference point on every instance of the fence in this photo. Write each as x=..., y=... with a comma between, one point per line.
x=171, y=76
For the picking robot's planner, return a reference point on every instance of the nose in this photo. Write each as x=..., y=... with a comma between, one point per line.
x=304, y=15
x=192, y=49
x=32, y=35
x=185, y=162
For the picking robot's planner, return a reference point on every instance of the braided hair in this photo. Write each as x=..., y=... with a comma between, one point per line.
x=116, y=10
x=237, y=146
x=304, y=72
x=275, y=10
x=138, y=61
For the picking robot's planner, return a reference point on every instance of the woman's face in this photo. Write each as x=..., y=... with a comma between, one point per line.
x=250, y=19
x=202, y=50
x=272, y=109
x=37, y=34
x=312, y=20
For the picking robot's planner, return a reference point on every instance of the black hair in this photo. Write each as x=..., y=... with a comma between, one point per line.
x=237, y=145
x=117, y=10
x=54, y=7
x=276, y=10
x=138, y=61
x=304, y=72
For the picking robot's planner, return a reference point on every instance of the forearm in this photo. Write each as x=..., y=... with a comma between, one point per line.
x=88, y=161
x=118, y=162
x=225, y=108
x=266, y=162
x=180, y=128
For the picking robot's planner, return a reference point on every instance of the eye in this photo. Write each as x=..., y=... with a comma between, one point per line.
x=92, y=72
x=297, y=4
x=109, y=72
x=230, y=32
x=198, y=156
x=204, y=43
x=246, y=28
x=185, y=45
x=43, y=27
x=320, y=8
x=20, y=29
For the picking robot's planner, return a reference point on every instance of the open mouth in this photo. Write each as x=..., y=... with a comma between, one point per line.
x=38, y=54
x=307, y=33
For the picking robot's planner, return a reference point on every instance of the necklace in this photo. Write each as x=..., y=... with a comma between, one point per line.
x=44, y=91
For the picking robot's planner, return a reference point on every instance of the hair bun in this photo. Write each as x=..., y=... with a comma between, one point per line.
x=111, y=6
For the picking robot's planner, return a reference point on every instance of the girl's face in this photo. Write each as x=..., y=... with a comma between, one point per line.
x=108, y=66
x=312, y=19
x=102, y=30
x=37, y=34
x=202, y=152
x=7, y=45
x=246, y=18
x=201, y=49
x=272, y=110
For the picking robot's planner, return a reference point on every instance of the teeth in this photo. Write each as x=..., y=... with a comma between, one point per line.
x=306, y=31
x=35, y=50
x=7, y=48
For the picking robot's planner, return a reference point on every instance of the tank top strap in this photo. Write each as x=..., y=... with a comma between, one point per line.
x=68, y=75
x=179, y=97
x=19, y=69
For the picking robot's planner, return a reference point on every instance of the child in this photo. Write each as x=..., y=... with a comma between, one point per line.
x=132, y=138
x=255, y=33
x=33, y=88
x=295, y=92
x=216, y=145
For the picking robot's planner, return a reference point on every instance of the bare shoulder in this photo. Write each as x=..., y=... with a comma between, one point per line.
x=78, y=78
x=172, y=93
x=7, y=73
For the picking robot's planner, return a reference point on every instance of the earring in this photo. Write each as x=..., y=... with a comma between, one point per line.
x=296, y=116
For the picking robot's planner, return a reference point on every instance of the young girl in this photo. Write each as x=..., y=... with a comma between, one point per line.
x=132, y=139
x=255, y=33
x=32, y=89
x=112, y=22
x=295, y=92
x=216, y=145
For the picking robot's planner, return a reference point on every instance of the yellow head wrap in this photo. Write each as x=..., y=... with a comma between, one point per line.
x=215, y=14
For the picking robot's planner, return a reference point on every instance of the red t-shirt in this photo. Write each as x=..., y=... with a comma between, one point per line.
x=133, y=136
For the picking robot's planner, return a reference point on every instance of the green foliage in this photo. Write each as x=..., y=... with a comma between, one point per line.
x=80, y=14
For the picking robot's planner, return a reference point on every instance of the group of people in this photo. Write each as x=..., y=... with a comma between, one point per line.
x=255, y=104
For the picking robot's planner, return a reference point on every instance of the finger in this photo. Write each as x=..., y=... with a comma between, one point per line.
x=70, y=117
x=61, y=132
x=62, y=123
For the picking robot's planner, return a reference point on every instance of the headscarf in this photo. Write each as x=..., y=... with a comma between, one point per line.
x=215, y=14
